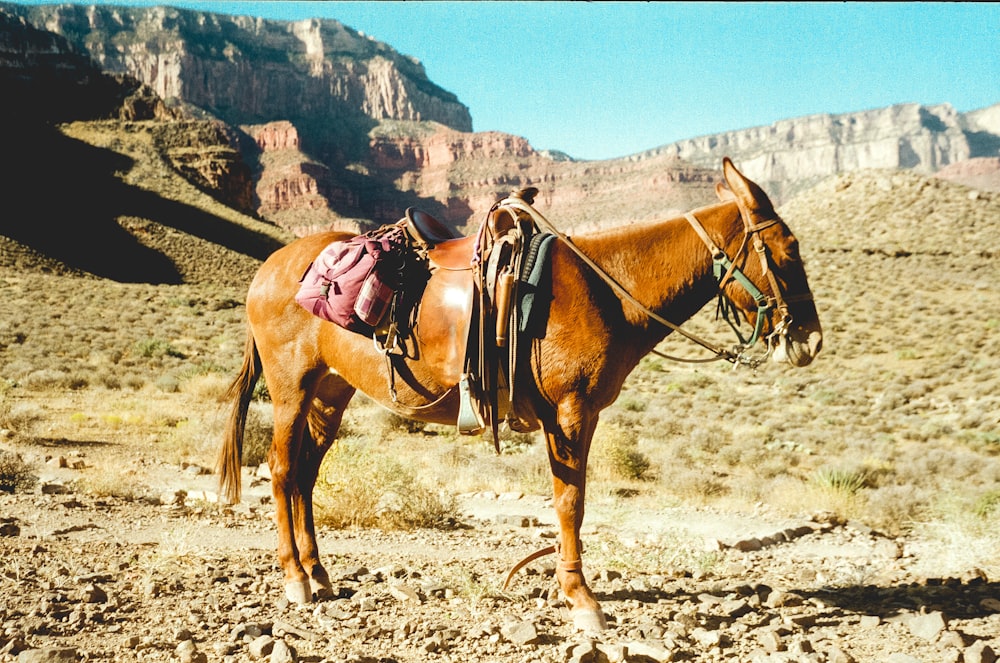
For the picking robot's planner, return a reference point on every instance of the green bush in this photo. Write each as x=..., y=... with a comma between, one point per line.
x=154, y=347
x=845, y=482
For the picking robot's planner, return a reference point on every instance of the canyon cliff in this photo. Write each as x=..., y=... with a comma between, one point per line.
x=791, y=155
x=313, y=125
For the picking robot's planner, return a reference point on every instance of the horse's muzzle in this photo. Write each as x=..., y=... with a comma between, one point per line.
x=798, y=347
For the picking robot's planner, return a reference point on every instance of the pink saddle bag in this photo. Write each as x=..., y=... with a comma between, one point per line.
x=352, y=282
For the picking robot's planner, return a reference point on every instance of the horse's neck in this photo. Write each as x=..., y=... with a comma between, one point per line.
x=662, y=264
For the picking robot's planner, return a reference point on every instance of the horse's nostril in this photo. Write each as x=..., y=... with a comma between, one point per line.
x=815, y=343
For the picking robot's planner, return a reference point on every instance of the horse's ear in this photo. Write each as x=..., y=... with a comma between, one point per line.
x=734, y=178
x=723, y=193
x=747, y=193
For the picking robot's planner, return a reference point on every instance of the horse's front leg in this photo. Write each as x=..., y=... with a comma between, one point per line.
x=568, y=441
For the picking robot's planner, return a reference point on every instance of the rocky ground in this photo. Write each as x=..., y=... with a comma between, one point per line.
x=181, y=578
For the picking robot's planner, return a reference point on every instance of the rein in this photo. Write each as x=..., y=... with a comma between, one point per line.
x=738, y=355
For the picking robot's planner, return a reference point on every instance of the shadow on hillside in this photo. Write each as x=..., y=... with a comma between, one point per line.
x=380, y=201
x=376, y=196
x=68, y=199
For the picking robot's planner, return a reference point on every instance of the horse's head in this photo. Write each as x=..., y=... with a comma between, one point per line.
x=777, y=302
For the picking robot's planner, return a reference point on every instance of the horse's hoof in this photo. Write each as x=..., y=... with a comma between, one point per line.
x=321, y=589
x=298, y=592
x=587, y=620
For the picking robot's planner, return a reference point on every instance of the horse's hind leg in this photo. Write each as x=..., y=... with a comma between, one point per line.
x=290, y=411
x=307, y=413
x=323, y=422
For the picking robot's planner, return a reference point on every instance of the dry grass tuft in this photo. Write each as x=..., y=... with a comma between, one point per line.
x=360, y=486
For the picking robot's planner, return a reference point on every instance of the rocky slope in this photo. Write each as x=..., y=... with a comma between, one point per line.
x=169, y=576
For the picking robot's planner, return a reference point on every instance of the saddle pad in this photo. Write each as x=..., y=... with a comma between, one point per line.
x=535, y=287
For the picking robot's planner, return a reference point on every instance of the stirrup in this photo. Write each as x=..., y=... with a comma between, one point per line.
x=470, y=421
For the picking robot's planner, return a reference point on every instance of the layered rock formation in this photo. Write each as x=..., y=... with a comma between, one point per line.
x=247, y=69
x=294, y=191
x=790, y=155
x=204, y=153
x=458, y=176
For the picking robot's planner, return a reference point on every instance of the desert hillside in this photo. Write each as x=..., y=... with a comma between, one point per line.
x=847, y=511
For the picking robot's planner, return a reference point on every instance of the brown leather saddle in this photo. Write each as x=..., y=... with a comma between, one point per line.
x=466, y=313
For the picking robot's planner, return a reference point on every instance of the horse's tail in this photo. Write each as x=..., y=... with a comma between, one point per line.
x=239, y=394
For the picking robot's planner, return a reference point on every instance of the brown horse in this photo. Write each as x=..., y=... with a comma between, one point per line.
x=655, y=276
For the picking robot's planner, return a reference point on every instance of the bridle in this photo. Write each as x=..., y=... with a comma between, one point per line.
x=738, y=355
x=724, y=269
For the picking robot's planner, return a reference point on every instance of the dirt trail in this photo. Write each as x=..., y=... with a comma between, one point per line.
x=149, y=580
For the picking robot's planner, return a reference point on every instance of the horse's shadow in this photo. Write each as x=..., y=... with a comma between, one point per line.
x=952, y=598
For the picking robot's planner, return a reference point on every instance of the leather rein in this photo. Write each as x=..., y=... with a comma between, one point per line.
x=739, y=354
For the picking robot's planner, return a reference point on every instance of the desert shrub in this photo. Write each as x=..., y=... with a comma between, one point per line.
x=844, y=482
x=168, y=384
x=16, y=476
x=207, y=386
x=418, y=506
x=101, y=483
x=134, y=382
x=154, y=347
x=987, y=504
x=260, y=392
x=19, y=418
x=358, y=487
x=616, y=451
x=895, y=509
x=390, y=421
x=257, y=435
x=836, y=490
x=632, y=404
x=695, y=485
x=46, y=378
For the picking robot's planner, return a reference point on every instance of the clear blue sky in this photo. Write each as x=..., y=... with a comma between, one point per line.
x=606, y=79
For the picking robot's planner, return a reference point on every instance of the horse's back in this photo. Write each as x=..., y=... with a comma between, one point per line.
x=276, y=320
